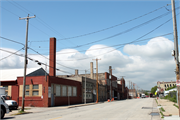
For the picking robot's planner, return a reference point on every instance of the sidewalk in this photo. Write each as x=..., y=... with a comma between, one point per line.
x=171, y=112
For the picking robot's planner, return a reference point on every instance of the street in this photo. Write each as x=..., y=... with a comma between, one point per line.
x=130, y=109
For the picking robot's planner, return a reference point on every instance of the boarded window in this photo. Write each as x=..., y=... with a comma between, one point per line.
x=74, y=91
x=58, y=90
x=64, y=91
x=69, y=91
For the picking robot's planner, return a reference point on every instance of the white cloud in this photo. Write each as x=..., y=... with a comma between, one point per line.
x=144, y=64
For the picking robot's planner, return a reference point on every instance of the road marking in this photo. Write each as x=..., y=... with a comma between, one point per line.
x=96, y=109
x=55, y=118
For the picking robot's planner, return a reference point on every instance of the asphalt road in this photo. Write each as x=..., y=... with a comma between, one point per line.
x=116, y=110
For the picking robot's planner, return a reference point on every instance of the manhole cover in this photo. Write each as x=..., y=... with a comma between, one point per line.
x=147, y=107
x=154, y=114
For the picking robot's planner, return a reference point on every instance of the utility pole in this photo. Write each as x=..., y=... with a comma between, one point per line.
x=97, y=78
x=176, y=51
x=85, y=88
x=110, y=78
x=25, y=59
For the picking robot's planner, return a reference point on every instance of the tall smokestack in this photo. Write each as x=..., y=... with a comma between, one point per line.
x=52, y=57
x=92, y=70
x=76, y=72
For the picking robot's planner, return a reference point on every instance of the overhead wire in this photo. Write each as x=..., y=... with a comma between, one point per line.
x=107, y=27
x=38, y=19
x=124, y=31
x=34, y=51
x=51, y=60
x=108, y=46
x=12, y=54
x=12, y=40
x=126, y=43
x=39, y=63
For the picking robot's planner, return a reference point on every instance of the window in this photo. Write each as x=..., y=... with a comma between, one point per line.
x=35, y=90
x=27, y=90
x=64, y=91
x=165, y=85
x=6, y=90
x=69, y=91
x=58, y=90
x=74, y=91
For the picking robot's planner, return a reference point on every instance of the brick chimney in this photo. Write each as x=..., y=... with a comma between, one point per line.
x=92, y=70
x=52, y=57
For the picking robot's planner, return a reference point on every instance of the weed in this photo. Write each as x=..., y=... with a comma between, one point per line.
x=162, y=109
x=156, y=101
x=176, y=106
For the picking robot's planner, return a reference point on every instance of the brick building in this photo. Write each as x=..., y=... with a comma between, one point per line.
x=44, y=90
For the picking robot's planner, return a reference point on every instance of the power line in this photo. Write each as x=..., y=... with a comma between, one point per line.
x=11, y=54
x=9, y=11
x=110, y=46
x=39, y=63
x=33, y=50
x=51, y=60
x=107, y=27
x=12, y=40
x=126, y=43
x=128, y=30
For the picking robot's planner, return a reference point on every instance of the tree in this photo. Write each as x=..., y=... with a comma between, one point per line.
x=153, y=89
x=146, y=93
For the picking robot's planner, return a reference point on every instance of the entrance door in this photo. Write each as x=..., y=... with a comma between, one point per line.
x=52, y=95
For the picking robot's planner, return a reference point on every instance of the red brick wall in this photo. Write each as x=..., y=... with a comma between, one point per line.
x=15, y=93
x=61, y=100
x=35, y=101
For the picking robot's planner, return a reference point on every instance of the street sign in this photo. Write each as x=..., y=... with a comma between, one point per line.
x=177, y=82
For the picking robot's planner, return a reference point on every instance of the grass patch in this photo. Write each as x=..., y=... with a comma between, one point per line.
x=156, y=101
x=20, y=112
x=171, y=97
x=162, y=109
x=162, y=115
x=27, y=108
x=176, y=106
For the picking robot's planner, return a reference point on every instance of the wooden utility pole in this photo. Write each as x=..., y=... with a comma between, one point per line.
x=97, y=78
x=25, y=59
x=176, y=51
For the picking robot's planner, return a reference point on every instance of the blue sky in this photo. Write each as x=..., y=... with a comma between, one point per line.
x=74, y=18
x=64, y=19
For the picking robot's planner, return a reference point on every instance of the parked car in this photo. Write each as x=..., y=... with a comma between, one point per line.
x=4, y=108
x=11, y=103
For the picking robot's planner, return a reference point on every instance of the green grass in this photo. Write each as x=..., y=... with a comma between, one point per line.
x=176, y=106
x=162, y=109
x=21, y=112
x=173, y=99
x=162, y=114
x=156, y=101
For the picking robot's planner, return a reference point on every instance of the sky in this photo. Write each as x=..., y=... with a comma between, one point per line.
x=134, y=37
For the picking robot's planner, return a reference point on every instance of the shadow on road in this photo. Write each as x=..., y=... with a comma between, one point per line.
x=8, y=118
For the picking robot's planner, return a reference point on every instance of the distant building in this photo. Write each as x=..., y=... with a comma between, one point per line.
x=162, y=86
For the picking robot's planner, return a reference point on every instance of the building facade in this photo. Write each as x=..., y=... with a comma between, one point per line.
x=164, y=85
